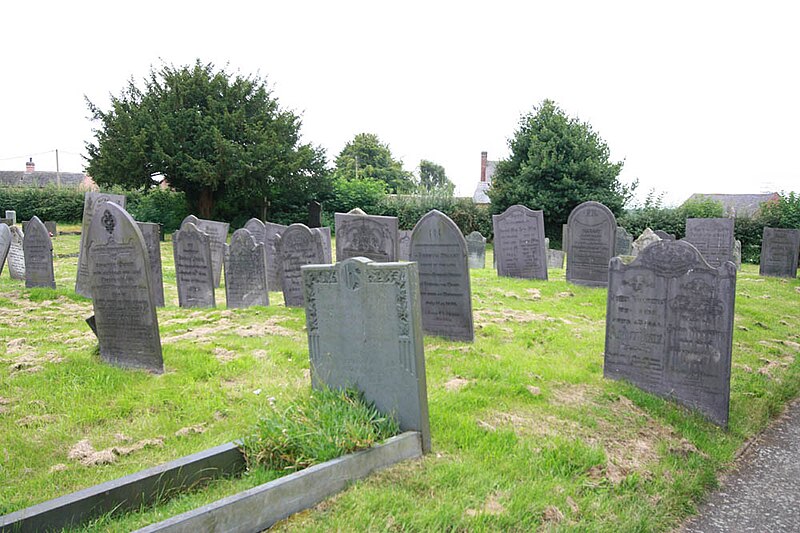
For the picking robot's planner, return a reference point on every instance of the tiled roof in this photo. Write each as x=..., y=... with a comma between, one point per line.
x=19, y=178
x=737, y=204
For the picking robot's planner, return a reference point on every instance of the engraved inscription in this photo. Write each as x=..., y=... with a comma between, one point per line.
x=713, y=238
x=591, y=244
x=297, y=246
x=519, y=243
x=193, y=271
x=246, y=272
x=779, y=250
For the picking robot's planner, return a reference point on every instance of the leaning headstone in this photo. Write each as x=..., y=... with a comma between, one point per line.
x=194, y=274
x=90, y=202
x=325, y=239
x=624, y=242
x=5, y=245
x=664, y=236
x=779, y=250
x=16, y=254
x=246, y=271
x=218, y=234
x=297, y=246
x=373, y=237
x=519, y=247
x=476, y=250
x=669, y=326
x=440, y=251
x=151, y=232
x=591, y=243
x=12, y=216
x=644, y=240
x=555, y=259
x=119, y=270
x=314, y=214
x=38, y=249
x=365, y=331
x=713, y=237
x=404, y=245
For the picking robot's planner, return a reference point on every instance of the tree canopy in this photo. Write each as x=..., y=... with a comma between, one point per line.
x=556, y=163
x=367, y=157
x=432, y=178
x=214, y=135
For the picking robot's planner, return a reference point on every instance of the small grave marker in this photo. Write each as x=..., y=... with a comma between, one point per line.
x=476, y=250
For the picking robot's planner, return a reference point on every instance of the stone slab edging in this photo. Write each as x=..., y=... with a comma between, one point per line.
x=129, y=492
x=260, y=507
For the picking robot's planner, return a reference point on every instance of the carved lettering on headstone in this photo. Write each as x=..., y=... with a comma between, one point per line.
x=151, y=233
x=373, y=237
x=713, y=237
x=246, y=271
x=38, y=250
x=5, y=245
x=90, y=202
x=592, y=232
x=519, y=246
x=194, y=275
x=16, y=254
x=779, y=249
x=218, y=235
x=297, y=246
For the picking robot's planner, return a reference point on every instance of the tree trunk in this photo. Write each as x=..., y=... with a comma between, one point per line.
x=205, y=203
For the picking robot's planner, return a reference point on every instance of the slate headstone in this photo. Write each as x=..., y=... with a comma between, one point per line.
x=713, y=237
x=325, y=240
x=297, y=246
x=5, y=245
x=246, y=271
x=218, y=234
x=737, y=253
x=90, y=202
x=476, y=250
x=664, y=236
x=12, y=216
x=191, y=249
x=555, y=259
x=624, y=242
x=373, y=237
x=440, y=251
x=92, y=323
x=38, y=250
x=404, y=245
x=669, y=326
x=564, y=237
x=779, y=250
x=644, y=240
x=119, y=271
x=519, y=246
x=52, y=228
x=151, y=232
x=271, y=233
x=16, y=254
x=314, y=214
x=591, y=241
x=365, y=331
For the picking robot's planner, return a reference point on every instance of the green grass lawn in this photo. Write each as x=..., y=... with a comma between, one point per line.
x=526, y=432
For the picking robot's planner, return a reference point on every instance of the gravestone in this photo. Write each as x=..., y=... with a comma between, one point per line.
x=644, y=240
x=365, y=331
x=246, y=271
x=38, y=249
x=404, y=245
x=591, y=243
x=664, y=236
x=52, y=228
x=713, y=237
x=555, y=259
x=151, y=233
x=669, y=326
x=737, y=253
x=6, y=221
x=191, y=249
x=564, y=237
x=314, y=214
x=519, y=247
x=440, y=251
x=5, y=245
x=325, y=241
x=624, y=242
x=12, y=216
x=476, y=250
x=125, y=317
x=16, y=254
x=218, y=234
x=373, y=237
x=779, y=250
x=90, y=202
x=297, y=246
x=271, y=233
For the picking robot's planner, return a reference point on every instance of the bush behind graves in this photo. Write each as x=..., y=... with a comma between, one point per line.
x=63, y=205
x=162, y=206
x=468, y=216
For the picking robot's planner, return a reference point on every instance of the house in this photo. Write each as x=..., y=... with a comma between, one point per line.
x=487, y=171
x=734, y=205
x=30, y=177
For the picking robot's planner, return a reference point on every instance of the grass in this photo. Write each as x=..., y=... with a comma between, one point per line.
x=526, y=432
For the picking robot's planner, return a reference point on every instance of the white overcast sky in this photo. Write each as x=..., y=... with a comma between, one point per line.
x=694, y=96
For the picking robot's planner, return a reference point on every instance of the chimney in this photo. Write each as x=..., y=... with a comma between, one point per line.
x=484, y=158
x=30, y=166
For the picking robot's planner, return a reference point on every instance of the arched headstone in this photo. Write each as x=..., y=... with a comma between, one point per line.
x=592, y=235
x=194, y=273
x=246, y=271
x=297, y=246
x=519, y=247
x=218, y=235
x=90, y=202
x=38, y=249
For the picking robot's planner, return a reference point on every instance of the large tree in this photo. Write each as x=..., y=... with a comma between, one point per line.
x=211, y=134
x=433, y=178
x=556, y=163
x=367, y=157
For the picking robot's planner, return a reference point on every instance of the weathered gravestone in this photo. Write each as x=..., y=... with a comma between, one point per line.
x=476, y=250
x=38, y=250
x=5, y=245
x=737, y=253
x=151, y=232
x=373, y=237
x=624, y=242
x=52, y=228
x=246, y=271
x=404, y=245
x=12, y=216
x=713, y=237
x=519, y=247
x=194, y=275
x=125, y=317
x=555, y=259
x=90, y=202
x=265, y=233
x=16, y=254
x=314, y=214
x=297, y=246
x=591, y=243
x=669, y=326
x=218, y=235
x=644, y=240
x=564, y=237
x=365, y=331
x=324, y=235
x=440, y=251
x=664, y=236
x=779, y=249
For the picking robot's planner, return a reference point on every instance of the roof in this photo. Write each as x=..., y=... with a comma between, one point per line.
x=19, y=178
x=737, y=204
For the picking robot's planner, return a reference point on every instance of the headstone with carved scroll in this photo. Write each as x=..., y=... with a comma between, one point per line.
x=90, y=202
x=373, y=237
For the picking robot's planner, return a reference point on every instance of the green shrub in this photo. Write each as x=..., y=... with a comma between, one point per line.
x=467, y=215
x=163, y=206
x=63, y=205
